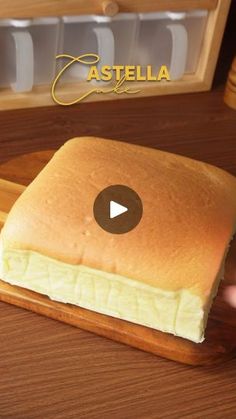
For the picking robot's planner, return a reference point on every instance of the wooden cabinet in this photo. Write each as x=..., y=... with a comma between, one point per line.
x=199, y=45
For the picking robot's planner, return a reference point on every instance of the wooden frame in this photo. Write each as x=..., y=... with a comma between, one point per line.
x=36, y=8
x=200, y=81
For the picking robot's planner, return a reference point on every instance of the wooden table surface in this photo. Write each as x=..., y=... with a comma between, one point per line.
x=51, y=370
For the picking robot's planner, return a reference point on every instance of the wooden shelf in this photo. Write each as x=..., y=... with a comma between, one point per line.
x=29, y=8
x=200, y=81
x=41, y=96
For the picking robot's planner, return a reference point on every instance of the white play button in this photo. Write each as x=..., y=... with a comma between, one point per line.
x=116, y=209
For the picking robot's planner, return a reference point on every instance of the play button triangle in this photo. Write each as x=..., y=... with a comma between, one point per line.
x=116, y=209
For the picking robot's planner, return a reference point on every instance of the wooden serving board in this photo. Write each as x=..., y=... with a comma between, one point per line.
x=220, y=342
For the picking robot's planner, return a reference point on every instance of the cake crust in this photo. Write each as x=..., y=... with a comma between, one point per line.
x=189, y=214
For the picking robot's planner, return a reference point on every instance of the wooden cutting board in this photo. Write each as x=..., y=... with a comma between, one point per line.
x=220, y=342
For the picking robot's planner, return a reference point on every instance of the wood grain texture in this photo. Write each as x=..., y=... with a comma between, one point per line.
x=41, y=95
x=220, y=342
x=27, y=8
x=200, y=126
x=219, y=346
x=110, y=8
x=9, y=192
x=200, y=81
x=123, y=331
x=212, y=42
x=53, y=371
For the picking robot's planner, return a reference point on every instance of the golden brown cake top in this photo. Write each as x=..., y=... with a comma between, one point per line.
x=189, y=214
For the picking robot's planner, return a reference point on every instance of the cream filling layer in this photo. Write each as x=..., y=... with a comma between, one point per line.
x=180, y=313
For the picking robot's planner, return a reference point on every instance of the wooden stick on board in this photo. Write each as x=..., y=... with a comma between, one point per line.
x=9, y=192
x=3, y=217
